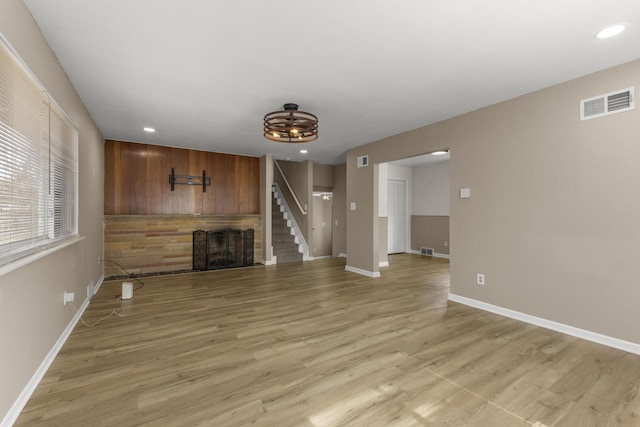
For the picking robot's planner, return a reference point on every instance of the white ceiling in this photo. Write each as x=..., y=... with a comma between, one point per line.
x=204, y=72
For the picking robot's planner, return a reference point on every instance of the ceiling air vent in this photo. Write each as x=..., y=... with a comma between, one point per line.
x=610, y=103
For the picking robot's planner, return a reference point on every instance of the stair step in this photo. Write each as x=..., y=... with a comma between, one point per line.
x=284, y=242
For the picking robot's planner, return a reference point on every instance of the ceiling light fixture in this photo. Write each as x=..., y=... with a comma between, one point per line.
x=290, y=125
x=611, y=31
x=150, y=130
x=439, y=153
x=304, y=151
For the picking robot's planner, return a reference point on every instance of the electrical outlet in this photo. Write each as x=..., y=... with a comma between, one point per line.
x=446, y=243
x=480, y=279
x=68, y=297
x=99, y=260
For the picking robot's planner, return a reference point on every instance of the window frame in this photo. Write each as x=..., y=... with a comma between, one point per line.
x=51, y=172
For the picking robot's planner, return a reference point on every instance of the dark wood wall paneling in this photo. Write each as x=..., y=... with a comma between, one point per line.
x=137, y=181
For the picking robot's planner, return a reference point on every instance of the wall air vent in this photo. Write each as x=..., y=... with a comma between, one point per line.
x=363, y=161
x=426, y=251
x=610, y=103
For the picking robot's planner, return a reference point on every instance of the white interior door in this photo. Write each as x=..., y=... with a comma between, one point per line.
x=397, y=215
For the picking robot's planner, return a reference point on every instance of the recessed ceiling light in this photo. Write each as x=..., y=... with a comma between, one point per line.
x=303, y=151
x=611, y=31
x=439, y=153
x=150, y=130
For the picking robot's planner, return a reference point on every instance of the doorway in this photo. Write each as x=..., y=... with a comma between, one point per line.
x=322, y=224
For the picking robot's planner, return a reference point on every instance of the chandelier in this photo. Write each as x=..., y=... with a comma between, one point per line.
x=290, y=125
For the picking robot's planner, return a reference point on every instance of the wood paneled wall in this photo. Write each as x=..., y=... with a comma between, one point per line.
x=144, y=244
x=136, y=181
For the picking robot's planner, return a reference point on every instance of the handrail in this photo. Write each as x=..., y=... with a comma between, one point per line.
x=297, y=232
x=289, y=188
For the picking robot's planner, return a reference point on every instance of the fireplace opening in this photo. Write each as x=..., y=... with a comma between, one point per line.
x=226, y=248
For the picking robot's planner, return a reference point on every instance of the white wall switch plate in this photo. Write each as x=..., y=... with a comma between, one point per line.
x=68, y=297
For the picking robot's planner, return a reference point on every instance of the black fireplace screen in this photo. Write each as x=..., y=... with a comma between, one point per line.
x=222, y=249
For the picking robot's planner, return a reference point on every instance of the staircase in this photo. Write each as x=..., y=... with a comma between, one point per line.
x=285, y=247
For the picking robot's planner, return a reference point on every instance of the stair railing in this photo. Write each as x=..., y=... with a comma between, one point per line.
x=297, y=233
x=293, y=194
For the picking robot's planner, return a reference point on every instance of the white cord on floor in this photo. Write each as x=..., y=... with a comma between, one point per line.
x=121, y=314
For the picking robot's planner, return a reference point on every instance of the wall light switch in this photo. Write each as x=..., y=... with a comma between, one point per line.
x=465, y=193
x=353, y=206
x=68, y=297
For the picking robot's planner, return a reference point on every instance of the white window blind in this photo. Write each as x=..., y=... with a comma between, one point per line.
x=38, y=164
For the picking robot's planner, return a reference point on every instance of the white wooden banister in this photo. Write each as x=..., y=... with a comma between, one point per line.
x=293, y=194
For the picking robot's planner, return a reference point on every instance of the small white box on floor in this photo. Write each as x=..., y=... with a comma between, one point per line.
x=127, y=290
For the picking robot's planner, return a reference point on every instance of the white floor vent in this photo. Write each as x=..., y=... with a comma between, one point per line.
x=610, y=103
x=426, y=251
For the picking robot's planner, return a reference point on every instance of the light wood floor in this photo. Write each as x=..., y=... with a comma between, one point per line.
x=310, y=344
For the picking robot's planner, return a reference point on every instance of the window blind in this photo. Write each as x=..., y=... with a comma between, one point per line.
x=38, y=164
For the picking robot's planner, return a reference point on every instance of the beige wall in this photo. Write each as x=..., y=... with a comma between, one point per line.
x=323, y=177
x=431, y=232
x=362, y=229
x=553, y=217
x=266, y=196
x=339, y=240
x=32, y=315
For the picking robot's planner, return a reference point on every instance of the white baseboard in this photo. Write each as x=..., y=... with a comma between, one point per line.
x=383, y=264
x=342, y=255
x=271, y=262
x=435, y=254
x=321, y=257
x=619, y=344
x=17, y=407
x=97, y=286
x=361, y=271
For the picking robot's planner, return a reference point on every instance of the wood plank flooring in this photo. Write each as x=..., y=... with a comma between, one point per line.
x=310, y=344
